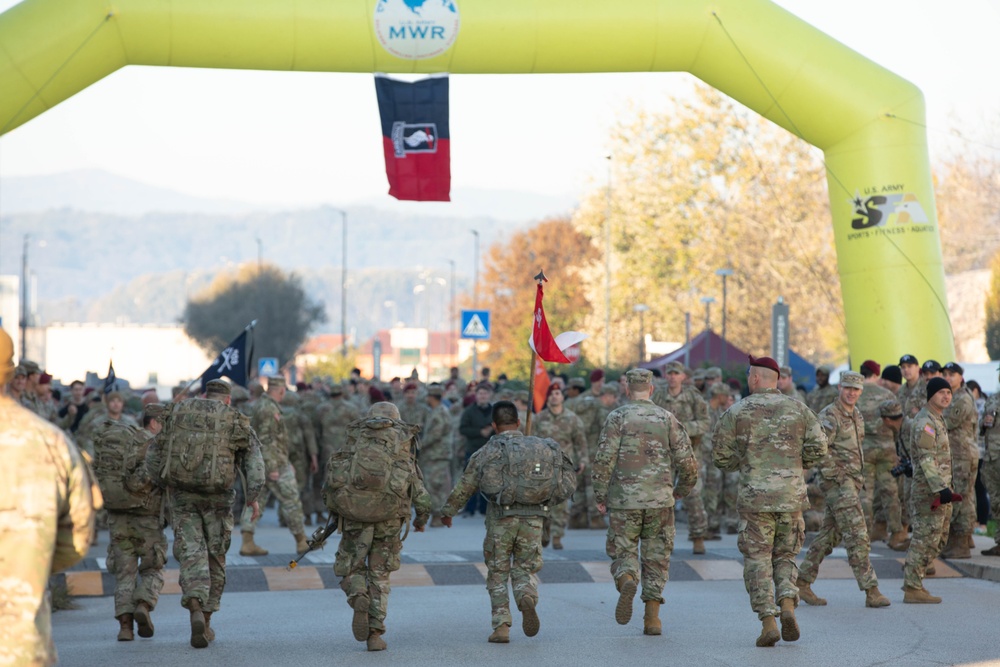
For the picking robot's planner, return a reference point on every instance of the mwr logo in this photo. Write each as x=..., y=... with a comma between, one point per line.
x=416, y=29
x=414, y=138
x=880, y=210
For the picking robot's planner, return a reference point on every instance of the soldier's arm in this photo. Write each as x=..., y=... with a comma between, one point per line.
x=580, y=445
x=265, y=424
x=309, y=433
x=76, y=505
x=607, y=453
x=251, y=461
x=422, y=503
x=685, y=463
x=153, y=465
x=726, y=454
x=814, y=444
x=922, y=449
x=437, y=428
x=702, y=422
x=466, y=486
x=828, y=464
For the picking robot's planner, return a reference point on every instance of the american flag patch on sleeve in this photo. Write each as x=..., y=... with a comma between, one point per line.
x=930, y=429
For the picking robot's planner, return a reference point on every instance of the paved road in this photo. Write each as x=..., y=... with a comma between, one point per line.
x=439, y=615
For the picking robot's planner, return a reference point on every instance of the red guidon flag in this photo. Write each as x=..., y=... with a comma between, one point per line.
x=545, y=346
x=541, y=387
x=416, y=137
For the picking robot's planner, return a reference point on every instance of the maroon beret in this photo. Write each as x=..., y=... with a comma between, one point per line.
x=596, y=374
x=764, y=362
x=872, y=367
x=410, y=386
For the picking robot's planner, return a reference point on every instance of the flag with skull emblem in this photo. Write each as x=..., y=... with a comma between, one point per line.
x=233, y=362
x=415, y=137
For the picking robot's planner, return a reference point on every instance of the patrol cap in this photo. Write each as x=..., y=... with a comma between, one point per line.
x=688, y=371
x=639, y=376
x=719, y=389
x=218, y=387
x=671, y=367
x=952, y=367
x=699, y=374
x=596, y=375
x=30, y=366
x=20, y=371
x=337, y=390
x=154, y=410
x=908, y=359
x=716, y=372
x=7, y=369
x=762, y=362
x=579, y=383
x=931, y=366
x=410, y=386
x=113, y=394
x=276, y=381
x=521, y=396
x=890, y=409
x=785, y=371
x=852, y=380
x=825, y=369
x=892, y=374
x=872, y=367
x=935, y=385
x=435, y=390
x=610, y=388
x=384, y=409
x=239, y=394
x=291, y=398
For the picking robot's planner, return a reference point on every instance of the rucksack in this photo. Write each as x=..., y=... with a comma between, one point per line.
x=371, y=479
x=200, y=440
x=526, y=470
x=115, y=456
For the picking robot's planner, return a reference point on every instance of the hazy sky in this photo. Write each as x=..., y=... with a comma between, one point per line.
x=297, y=139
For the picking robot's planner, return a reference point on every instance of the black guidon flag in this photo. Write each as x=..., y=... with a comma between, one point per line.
x=233, y=362
x=415, y=137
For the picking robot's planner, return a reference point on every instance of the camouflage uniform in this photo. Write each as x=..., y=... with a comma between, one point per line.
x=931, y=456
x=203, y=522
x=512, y=549
x=592, y=411
x=991, y=458
x=435, y=454
x=769, y=438
x=270, y=429
x=45, y=527
x=642, y=448
x=567, y=429
x=719, y=493
x=412, y=413
x=879, y=448
x=962, y=418
x=301, y=447
x=691, y=411
x=820, y=397
x=334, y=416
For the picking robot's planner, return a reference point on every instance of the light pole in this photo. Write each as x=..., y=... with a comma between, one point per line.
x=475, y=303
x=708, y=301
x=641, y=309
x=725, y=273
x=607, y=272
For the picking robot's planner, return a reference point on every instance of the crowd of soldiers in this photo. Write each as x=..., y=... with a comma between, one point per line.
x=883, y=454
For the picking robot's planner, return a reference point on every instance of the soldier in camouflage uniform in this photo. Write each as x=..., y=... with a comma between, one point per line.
x=720, y=508
x=962, y=420
x=435, y=451
x=691, y=411
x=786, y=384
x=642, y=448
x=842, y=477
x=824, y=393
x=593, y=407
x=563, y=426
x=411, y=410
x=273, y=434
x=770, y=439
x=302, y=453
x=512, y=549
x=879, y=448
x=334, y=415
x=137, y=551
x=990, y=429
x=203, y=522
x=930, y=493
x=45, y=525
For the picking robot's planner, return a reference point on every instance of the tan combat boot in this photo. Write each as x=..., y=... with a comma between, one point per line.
x=125, y=632
x=198, y=639
x=143, y=620
x=651, y=619
x=992, y=551
x=626, y=592
x=501, y=635
x=789, y=626
x=529, y=617
x=557, y=543
x=879, y=531
x=875, y=599
x=209, y=632
x=930, y=571
x=919, y=596
x=301, y=545
x=806, y=594
x=375, y=641
x=769, y=632
x=898, y=538
x=699, y=545
x=249, y=547
x=957, y=547
x=359, y=624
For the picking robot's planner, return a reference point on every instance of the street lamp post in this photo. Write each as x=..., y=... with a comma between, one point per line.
x=725, y=273
x=641, y=309
x=708, y=301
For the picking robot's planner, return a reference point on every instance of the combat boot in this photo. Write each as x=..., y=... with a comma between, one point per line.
x=143, y=620
x=992, y=551
x=768, y=633
x=874, y=598
x=651, y=619
x=307, y=520
x=249, y=547
x=529, y=617
x=957, y=547
x=930, y=571
x=919, y=596
x=879, y=531
x=806, y=594
x=501, y=635
x=209, y=632
x=198, y=639
x=626, y=592
x=557, y=543
x=789, y=626
x=902, y=545
x=301, y=545
x=375, y=641
x=598, y=523
x=897, y=538
x=359, y=624
x=699, y=545
x=970, y=542
x=125, y=633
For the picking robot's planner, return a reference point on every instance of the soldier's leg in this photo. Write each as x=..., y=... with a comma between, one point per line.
x=930, y=531
x=191, y=551
x=697, y=519
x=286, y=489
x=710, y=496
x=526, y=559
x=123, y=561
x=656, y=543
x=903, y=485
x=437, y=481
x=578, y=512
x=822, y=545
x=153, y=557
x=302, y=482
x=559, y=515
x=789, y=533
x=869, y=489
x=755, y=540
x=730, y=495
x=383, y=559
x=963, y=481
x=498, y=546
x=991, y=479
x=623, y=543
x=351, y=563
x=851, y=525
x=218, y=535
x=887, y=491
x=247, y=523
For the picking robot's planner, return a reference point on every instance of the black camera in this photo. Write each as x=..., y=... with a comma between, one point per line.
x=905, y=467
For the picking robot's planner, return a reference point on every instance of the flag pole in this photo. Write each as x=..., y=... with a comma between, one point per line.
x=181, y=394
x=540, y=278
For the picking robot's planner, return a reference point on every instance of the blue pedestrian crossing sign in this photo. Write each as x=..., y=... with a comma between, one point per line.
x=267, y=366
x=476, y=324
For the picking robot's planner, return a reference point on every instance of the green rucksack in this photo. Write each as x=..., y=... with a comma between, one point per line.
x=525, y=470
x=115, y=457
x=200, y=441
x=371, y=478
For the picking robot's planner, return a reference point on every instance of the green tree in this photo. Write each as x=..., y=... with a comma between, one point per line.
x=267, y=294
x=993, y=311
x=333, y=367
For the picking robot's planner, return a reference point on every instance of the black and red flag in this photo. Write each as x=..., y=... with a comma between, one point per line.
x=415, y=137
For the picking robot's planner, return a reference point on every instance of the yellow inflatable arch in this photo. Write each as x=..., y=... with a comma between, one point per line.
x=867, y=121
